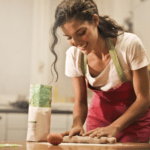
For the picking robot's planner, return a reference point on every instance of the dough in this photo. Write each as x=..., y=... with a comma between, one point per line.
x=112, y=140
x=104, y=140
x=90, y=140
x=74, y=139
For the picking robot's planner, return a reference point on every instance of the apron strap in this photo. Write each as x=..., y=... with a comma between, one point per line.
x=83, y=64
x=114, y=57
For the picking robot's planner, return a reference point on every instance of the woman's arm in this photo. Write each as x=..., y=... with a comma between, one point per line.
x=140, y=106
x=80, y=107
x=80, y=104
x=142, y=102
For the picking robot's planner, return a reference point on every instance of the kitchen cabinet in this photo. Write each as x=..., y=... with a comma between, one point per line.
x=16, y=135
x=13, y=126
x=14, y=122
x=58, y=123
x=17, y=121
x=2, y=126
x=61, y=122
x=16, y=126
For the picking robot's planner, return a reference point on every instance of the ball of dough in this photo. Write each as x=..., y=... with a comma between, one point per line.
x=54, y=138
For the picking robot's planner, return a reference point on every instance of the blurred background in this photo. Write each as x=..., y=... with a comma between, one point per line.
x=25, y=57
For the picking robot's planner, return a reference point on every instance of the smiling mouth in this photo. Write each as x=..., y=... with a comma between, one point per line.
x=83, y=47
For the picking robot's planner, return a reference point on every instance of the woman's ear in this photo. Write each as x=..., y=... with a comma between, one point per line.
x=95, y=20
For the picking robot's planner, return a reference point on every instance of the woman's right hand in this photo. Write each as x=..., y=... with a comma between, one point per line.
x=76, y=130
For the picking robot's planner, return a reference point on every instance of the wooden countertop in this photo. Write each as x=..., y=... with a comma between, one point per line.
x=74, y=146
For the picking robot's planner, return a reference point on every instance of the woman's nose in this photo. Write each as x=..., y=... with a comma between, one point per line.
x=75, y=42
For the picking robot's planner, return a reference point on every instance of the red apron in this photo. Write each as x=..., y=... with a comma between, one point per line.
x=107, y=106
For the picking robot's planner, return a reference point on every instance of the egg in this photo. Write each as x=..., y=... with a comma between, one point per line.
x=54, y=138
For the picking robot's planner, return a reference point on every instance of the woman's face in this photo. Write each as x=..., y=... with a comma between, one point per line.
x=81, y=34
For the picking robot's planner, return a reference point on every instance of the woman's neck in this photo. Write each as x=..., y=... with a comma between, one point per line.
x=100, y=49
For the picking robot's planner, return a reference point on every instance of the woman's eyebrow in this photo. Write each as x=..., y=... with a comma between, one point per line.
x=75, y=32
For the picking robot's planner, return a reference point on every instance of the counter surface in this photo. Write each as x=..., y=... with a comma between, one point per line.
x=75, y=146
x=55, y=109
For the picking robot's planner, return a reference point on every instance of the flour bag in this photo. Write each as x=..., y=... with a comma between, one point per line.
x=39, y=112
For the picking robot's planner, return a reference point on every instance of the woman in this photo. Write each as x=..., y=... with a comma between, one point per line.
x=115, y=67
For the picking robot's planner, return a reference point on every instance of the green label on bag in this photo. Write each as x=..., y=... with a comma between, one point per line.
x=40, y=95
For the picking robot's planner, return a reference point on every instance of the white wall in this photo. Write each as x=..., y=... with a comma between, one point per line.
x=142, y=22
x=116, y=9
x=24, y=37
x=15, y=46
x=40, y=54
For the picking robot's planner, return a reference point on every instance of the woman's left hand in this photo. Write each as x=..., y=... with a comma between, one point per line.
x=108, y=131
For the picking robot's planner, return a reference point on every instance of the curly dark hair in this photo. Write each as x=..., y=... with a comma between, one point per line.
x=82, y=10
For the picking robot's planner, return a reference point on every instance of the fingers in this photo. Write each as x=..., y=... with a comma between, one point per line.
x=92, y=133
x=76, y=131
x=71, y=134
x=103, y=134
x=88, y=133
x=81, y=133
x=65, y=133
x=99, y=132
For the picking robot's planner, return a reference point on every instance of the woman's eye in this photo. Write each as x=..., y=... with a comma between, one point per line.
x=69, y=38
x=82, y=33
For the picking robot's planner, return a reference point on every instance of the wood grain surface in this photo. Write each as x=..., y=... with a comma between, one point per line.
x=75, y=146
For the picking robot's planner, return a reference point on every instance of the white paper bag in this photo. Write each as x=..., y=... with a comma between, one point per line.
x=39, y=113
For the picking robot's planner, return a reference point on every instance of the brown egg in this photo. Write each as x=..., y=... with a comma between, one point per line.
x=54, y=138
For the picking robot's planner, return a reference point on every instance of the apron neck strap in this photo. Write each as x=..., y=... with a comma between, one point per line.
x=114, y=57
x=84, y=63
